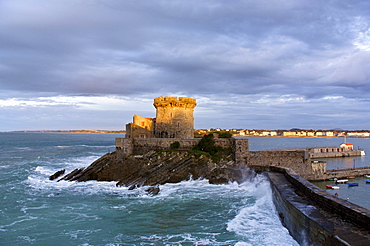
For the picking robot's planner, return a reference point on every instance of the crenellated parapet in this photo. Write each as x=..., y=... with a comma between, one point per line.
x=174, y=117
x=181, y=102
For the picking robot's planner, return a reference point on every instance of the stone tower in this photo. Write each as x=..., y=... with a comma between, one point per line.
x=174, y=117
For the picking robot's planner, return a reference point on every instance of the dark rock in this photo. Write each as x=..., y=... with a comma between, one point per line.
x=153, y=191
x=154, y=169
x=225, y=175
x=57, y=174
x=71, y=175
x=132, y=187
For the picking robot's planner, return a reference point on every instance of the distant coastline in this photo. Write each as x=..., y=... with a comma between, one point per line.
x=238, y=133
x=280, y=136
x=76, y=131
x=294, y=132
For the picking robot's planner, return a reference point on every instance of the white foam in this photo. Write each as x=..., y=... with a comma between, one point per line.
x=48, y=169
x=74, y=234
x=186, y=238
x=23, y=148
x=258, y=222
x=243, y=244
x=18, y=220
x=45, y=170
x=80, y=162
x=27, y=239
x=25, y=209
x=87, y=188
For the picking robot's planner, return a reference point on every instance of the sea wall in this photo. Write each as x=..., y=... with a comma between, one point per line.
x=333, y=152
x=339, y=173
x=294, y=213
x=301, y=207
x=296, y=160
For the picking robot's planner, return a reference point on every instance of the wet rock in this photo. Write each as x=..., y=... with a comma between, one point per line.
x=225, y=175
x=154, y=169
x=57, y=174
x=73, y=174
x=153, y=191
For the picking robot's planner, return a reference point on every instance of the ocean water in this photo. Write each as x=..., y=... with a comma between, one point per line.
x=36, y=211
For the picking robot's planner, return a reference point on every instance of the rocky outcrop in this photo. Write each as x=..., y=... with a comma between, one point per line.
x=57, y=174
x=153, y=169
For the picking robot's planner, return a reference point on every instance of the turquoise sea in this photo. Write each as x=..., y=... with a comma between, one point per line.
x=36, y=211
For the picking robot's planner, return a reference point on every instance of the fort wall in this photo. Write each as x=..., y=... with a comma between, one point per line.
x=174, y=117
x=140, y=146
x=141, y=127
x=297, y=160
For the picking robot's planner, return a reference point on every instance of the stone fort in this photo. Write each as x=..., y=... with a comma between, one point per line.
x=174, y=119
x=296, y=199
x=174, y=122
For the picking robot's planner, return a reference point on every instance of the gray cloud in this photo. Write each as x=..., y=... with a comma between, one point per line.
x=248, y=51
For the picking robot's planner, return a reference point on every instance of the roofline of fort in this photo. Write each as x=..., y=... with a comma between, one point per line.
x=174, y=102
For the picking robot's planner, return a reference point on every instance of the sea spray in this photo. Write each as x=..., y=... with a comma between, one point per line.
x=257, y=221
x=35, y=210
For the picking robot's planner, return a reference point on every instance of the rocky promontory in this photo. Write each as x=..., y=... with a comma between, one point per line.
x=160, y=167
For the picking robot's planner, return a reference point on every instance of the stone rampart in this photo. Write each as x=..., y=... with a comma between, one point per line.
x=323, y=218
x=297, y=160
x=140, y=146
x=241, y=149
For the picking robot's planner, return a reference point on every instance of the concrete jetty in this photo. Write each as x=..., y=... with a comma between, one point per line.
x=338, y=173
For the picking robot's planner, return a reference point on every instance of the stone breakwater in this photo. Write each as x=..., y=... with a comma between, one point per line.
x=314, y=216
x=157, y=168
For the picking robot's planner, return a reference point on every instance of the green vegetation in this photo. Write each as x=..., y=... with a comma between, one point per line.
x=224, y=134
x=175, y=145
x=207, y=145
x=219, y=134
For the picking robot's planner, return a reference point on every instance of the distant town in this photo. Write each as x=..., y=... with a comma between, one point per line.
x=245, y=132
x=288, y=133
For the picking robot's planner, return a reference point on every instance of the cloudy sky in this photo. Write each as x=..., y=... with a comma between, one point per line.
x=257, y=64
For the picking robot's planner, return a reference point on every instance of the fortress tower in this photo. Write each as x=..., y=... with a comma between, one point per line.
x=174, y=117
